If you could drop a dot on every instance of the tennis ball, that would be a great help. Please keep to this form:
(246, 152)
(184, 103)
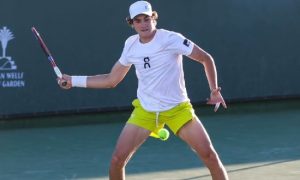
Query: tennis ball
(163, 134)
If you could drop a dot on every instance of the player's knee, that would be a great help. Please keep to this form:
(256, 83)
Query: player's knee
(117, 161)
(209, 155)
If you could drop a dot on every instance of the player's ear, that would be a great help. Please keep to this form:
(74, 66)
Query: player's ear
(129, 21)
(154, 15)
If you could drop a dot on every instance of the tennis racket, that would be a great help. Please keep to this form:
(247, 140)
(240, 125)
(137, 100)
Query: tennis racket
(48, 54)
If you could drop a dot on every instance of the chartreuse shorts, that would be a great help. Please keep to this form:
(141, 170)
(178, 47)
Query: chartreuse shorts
(174, 118)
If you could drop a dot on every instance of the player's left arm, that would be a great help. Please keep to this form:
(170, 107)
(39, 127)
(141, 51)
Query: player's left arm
(201, 56)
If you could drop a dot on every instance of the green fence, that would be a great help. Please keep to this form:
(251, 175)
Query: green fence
(254, 44)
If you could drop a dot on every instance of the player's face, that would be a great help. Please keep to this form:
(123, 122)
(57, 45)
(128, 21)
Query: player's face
(145, 26)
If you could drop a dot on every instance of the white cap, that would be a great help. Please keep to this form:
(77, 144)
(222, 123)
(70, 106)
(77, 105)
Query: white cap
(140, 7)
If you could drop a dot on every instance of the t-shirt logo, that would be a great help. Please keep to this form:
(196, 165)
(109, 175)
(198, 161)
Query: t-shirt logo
(186, 42)
(146, 62)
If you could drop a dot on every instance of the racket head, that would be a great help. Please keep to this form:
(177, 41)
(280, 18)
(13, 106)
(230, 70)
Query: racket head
(47, 53)
(41, 42)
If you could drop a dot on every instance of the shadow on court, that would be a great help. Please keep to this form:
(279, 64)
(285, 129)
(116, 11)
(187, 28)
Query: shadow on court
(255, 141)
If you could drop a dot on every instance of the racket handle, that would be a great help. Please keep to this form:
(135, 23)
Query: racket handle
(57, 72)
(64, 83)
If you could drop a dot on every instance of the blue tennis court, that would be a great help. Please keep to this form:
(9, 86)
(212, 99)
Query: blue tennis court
(255, 141)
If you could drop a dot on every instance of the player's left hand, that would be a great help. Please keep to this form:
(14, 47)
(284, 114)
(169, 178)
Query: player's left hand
(216, 99)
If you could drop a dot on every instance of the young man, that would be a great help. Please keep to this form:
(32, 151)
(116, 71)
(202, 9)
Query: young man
(161, 95)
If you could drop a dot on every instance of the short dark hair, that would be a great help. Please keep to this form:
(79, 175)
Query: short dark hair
(130, 21)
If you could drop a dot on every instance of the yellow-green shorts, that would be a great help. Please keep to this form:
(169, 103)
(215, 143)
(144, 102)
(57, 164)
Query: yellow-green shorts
(174, 118)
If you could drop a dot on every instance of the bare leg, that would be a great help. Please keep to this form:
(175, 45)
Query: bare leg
(195, 135)
(131, 138)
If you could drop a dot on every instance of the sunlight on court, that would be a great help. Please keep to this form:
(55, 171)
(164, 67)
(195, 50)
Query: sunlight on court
(270, 170)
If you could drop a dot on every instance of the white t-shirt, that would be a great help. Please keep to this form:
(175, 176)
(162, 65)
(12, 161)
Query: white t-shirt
(159, 70)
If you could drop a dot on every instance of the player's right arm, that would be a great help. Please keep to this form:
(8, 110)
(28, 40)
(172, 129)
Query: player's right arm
(110, 80)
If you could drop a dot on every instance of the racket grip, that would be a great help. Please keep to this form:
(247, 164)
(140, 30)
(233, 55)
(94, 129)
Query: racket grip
(57, 72)
(64, 83)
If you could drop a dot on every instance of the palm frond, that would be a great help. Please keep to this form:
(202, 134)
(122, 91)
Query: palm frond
(5, 34)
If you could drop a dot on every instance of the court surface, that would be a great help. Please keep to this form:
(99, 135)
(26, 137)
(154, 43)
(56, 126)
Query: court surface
(254, 140)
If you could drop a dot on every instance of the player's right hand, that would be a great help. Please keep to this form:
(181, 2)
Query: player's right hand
(65, 82)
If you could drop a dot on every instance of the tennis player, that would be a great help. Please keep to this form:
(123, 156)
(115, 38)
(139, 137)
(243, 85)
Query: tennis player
(161, 95)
